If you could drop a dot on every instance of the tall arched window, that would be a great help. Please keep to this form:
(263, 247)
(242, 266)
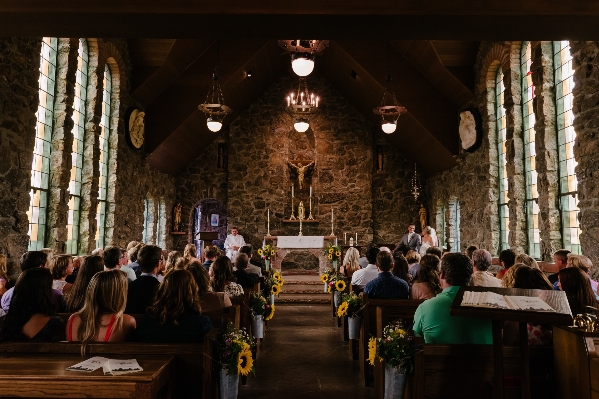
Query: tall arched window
(454, 225)
(40, 167)
(77, 153)
(440, 224)
(161, 225)
(148, 233)
(104, 151)
(568, 184)
(504, 213)
(530, 170)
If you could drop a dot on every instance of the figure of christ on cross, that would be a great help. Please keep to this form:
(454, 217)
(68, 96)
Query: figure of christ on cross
(301, 171)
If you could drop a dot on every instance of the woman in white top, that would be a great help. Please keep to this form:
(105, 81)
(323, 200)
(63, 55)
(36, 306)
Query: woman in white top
(429, 239)
(61, 266)
(233, 242)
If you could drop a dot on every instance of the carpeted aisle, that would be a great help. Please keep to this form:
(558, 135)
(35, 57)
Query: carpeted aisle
(304, 356)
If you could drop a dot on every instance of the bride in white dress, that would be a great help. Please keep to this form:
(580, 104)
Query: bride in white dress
(429, 239)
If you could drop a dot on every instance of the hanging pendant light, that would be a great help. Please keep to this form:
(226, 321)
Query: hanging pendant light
(301, 105)
(214, 107)
(303, 53)
(390, 109)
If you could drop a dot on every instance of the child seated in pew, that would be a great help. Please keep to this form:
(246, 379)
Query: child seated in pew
(209, 300)
(174, 316)
(102, 317)
(33, 314)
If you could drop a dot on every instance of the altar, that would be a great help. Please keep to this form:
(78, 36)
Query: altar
(314, 245)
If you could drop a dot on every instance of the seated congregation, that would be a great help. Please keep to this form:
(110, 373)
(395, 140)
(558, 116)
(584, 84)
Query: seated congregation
(141, 294)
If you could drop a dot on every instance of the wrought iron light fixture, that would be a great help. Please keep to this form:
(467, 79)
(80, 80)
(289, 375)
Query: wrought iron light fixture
(303, 53)
(214, 107)
(301, 105)
(416, 185)
(390, 109)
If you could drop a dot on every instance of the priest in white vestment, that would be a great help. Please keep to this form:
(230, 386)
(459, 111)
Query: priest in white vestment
(233, 242)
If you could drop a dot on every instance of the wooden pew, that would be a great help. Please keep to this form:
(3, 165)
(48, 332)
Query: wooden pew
(193, 364)
(399, 308)
(243, 301)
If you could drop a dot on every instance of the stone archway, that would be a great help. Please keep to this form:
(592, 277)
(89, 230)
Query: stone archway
(201, 221)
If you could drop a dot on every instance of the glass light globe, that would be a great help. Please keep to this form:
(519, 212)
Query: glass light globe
(388, 127)
(301, 126)
(302, 66)
(214, 126)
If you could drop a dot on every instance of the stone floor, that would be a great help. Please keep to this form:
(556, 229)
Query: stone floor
(303, 355)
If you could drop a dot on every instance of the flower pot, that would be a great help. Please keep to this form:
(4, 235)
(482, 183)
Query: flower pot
(267, 263)
(257, 326)
(326, 286)
(354, 327)
(395, 382)
(272, 299)
(335, 265)
(337, 298)
(228, 385)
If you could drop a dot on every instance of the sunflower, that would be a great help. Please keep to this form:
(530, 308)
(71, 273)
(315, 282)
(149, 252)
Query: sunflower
(330, 256)
(338, 253)
(259, 251)
(272, 253)
(271, 314)
(245, 362)
(324, 278)
(371, 351)
(331, 250)
(342, 310)
(329, 289)
(276, 289)
(340, 285)
(276, 275)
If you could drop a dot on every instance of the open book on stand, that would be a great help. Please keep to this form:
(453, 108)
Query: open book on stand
(109, 366)
(489, 299)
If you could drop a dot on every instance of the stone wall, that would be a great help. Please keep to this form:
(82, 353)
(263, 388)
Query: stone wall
(256, 176)
(19, 73)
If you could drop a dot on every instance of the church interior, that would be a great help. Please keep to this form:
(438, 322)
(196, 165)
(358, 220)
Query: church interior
(172, 123)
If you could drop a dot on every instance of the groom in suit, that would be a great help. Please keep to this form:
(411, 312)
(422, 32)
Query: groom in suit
(410, 240)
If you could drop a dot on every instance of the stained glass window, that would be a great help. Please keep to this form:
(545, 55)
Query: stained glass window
(530, 170)
(161, 227)
(144, 237)
(104, 152)
(441, 226)
(77, 152)
(504, 214)
(566, 136)
(40, 167)
(454, 214)
(148, 233)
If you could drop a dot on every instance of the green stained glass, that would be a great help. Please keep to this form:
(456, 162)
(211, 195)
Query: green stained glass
(500, 119)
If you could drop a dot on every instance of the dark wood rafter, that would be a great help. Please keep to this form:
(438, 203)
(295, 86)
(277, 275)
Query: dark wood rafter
(355, 19)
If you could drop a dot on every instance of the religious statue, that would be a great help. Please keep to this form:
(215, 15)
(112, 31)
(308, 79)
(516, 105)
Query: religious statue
(423, 214)
(301, 211)
(177, 218)
(300, 170)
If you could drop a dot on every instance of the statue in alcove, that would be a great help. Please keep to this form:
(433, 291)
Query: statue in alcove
(302, 171)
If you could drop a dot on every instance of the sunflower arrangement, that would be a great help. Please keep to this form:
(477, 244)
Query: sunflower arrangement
(270, 282)
(396, 348)
(332, 252)
(326, 276)
(267, 252)
(351, 305)
(234, 350)
(336, 283)
(270, 312)
(259, 306)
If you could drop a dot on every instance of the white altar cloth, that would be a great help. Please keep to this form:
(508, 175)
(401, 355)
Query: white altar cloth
(300, 241)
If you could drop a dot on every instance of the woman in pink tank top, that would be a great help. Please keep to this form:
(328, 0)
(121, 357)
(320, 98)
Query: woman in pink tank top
(101, 319)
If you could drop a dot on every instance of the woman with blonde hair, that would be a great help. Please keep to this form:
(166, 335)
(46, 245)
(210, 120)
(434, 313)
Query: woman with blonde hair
(174, 316)
(189, 252)
(171, 260)
(102, 318)
(61, 266)
(527, 260)
(509, 278)
(351, 262)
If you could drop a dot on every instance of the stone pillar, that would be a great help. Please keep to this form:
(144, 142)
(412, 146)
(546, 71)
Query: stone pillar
(512, 81)
(546, 148)
(586, 115)
(19, 99)
(62, 144)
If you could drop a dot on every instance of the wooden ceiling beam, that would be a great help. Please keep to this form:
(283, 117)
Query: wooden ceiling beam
(334, 19)
(364, 92)
(182, 54)
(423, 56)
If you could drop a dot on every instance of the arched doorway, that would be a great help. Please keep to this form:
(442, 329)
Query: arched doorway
(209, 215)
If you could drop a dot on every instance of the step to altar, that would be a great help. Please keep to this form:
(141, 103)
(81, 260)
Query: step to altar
(303, 289)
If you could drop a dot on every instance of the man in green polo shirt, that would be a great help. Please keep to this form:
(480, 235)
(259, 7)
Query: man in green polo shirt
(432, 319)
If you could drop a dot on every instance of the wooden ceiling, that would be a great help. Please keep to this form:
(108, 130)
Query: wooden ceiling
(170, 79)
(433, 44)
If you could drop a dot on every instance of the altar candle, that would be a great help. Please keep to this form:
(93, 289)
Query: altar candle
(356, 238)
(345, 238)
(335, 240)
(292, 190)
(288, 101)
(310, 191)
(268, 219)
(264, 242)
